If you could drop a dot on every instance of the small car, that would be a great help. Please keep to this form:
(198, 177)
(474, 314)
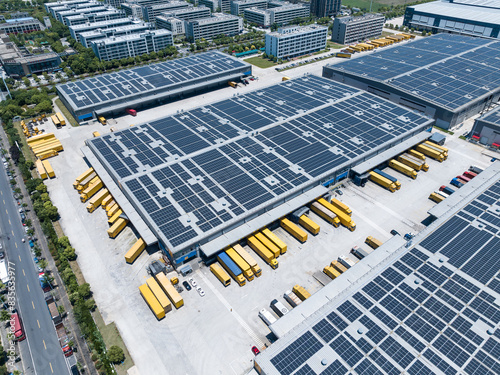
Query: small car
(395, 232)
(192, 282)
(200, 291)
(186, 285)
(255, 350)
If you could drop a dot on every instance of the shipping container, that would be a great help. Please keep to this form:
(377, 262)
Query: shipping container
(292, 298)
(262, 251)
(90, 191)
(301, 292)
(231, 268)
(268, 243)
(436, 198)
(331, 272)
(341, 206)
(456, 182)
(345, 219)
(40, 169)
(382, 181)
(475, 169)
(159, 294)
(447, 190)
(430, 152)
(275, 240)
(267, 317)
(220, 274)
(115, 217)
(152, 302)
(278, 308)
(309, 224)
(117, 227)
(240, 262)
(35, 138)
(400, 167)
(360, 253)
(373, 242)
(294, 230)
(248, 258)
(48, 154)
(389, 177)
(325, 214)
(136, 250)
(338, 266)
(169, 290)
(346, 261)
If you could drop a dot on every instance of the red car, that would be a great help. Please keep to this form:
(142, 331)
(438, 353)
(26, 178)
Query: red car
(255, 350)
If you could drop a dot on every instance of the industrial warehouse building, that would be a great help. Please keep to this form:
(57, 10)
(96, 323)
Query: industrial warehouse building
(486, 129)
(111, 94)
(205, 178)
(428, 306)
(347, 30)
(446, 76)
(466, 17)
(295, 41)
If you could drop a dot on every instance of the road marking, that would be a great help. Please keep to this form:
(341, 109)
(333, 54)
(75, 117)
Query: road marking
(246, 327)
(4, 201)
(33, 305)
(15, 243)
(45, 346)
(18, 255)
(50, 364)
(7, 211)
(10, 222)
(23, 272)
(38, 323)
(27, 286)
(12, 232)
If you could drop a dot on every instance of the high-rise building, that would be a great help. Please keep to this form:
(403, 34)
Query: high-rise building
(325, 8)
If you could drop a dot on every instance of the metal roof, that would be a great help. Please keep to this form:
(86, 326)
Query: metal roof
(462, 12)
(491, 117)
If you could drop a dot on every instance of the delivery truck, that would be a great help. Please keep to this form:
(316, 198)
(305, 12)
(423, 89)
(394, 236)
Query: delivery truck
(447, 190)
(292, 298)
(360, 253)
(275, 240)
(382, 181)
(231, 268)
(301, 292)
(325, 214)
(331, 272)
(373, 242)
(346, 261)
(338, 266)
(269, 244)
(345, 219)
(267, 317)
(341, 206)
(220, 274)
(257, 271)
(389, 177)
(262, 251)
(278, 308)
(240, 262)
(294, 230)
(403, 168)
(309, 224)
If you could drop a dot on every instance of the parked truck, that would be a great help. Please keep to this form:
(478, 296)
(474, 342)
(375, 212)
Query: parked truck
(438, 148)
(373, 242)
(417, 154)
(262, 251)
(159, 294)
(413, 162)
(325, 214)
(96, 200)
(257, 271)
(346, 261)
(436, 197)
(275, 240)
(455, 182)
(345, 219)
(278, 308)
(41, 169)
(432, 153)
(382, 181)
(115, 217)
(475, 169)
(48, 168)
(267, 317)
(294, 230)
(220, 274)
(447, 190)
(54, 313)
(117, 227)
(269, 244)
(136, 250)
(338, 266)
(470, 174)
(83, 184)
(240, 262)
(465, 178)
(292, 298)
(64, 340)
(341, 206)
(359, 252)
(331, 272)
(309, 224)
(169, 290)
(231, 268)
(90, 191)
(152, 302)
(131, 111)
(102, 120)
(403, 168)
(389, 177)
(301, 292)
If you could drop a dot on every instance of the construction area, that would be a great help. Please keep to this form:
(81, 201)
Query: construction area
(217, 229)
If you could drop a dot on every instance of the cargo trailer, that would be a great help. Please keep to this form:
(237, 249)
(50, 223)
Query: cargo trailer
(436, 197)
(360, 253)
(268, 243)
(267, 317)
(382, 181)
(292, 298)
(278, 308)
(262, 251)
(346, 261)
(325, 214)
(294, 230)
(373, 242)
(220, 274)
(159, 294)
(331, 272)
(240, 262)
(136, 250)
(309, 224)
(248, 258)
(417, 154)
(455, 182)
(275, 240)
(90, 191)
(231, 268)
(338, 266)
(389, 177)
(447, 190)
(474, 169)
(152, 302)
(403, 168)
(301, 292)
(345, 219)
(117, 227)
(169, 290)
(341, 206)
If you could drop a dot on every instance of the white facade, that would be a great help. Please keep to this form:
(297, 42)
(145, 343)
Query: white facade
(348, 30)
(281, 15)
(218, 24)
(296, 41)
(75, 31)
(172, 24)
(87, 37)
(238, 6)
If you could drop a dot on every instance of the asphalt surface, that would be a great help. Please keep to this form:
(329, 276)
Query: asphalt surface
(41, 339)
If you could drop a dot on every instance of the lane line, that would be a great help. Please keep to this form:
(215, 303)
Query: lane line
(15, 243)
(6, 211)
(19, 255)
(10, 222)
(23, 272)
(50, 364)
(12, 233)
(38, 323)
(33, 305)
(45, 346)
(27, 286)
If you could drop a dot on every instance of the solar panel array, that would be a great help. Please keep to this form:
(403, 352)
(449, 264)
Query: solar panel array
(435, 310)
(450, 70)
(492, 117)
(192, 173)
(135, 82)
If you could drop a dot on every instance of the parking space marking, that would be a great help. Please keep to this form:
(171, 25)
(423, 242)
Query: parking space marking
(373, 225)
(246, 327)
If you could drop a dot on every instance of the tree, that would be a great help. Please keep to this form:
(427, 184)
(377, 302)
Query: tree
(42, 263)
(4, 315)
(69, 253)
(115, 354)
(61, 309)
(44, 107)
(84, 290)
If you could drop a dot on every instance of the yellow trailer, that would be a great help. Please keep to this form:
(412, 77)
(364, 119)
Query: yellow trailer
(115, 217)
(403, 168)
(90, 191)
(341, 206)
(47, 154)
(309, 224)
(436, 198)
(92, 179)
(275, 240)
(106, 200)
(285, 78)
(438, 148)
(268, 243)
(338, 266)
(40, 136)
(37, 142)
(110, 205)
(90, 208)
(325, 214)
(41, 169)
(48, 168)
(301, 292)
(345, 219)
(117, 227)
(331, 272)
(366, 46)
(432, 153)
(136, 250)
(262, 251)
(220, 274)
(294, 230)
(84, 175)
(159, 294)
(382, 181)
(232, 84)
(96, 134)
(113, 210)
(61, 119)
(248, 258)
(55, 120)
(98, 198)
(373, 242)
(169, 290)
(43, 142)
(417, 154)
(56, 147)
(152, 302)
(240, 262)
(102, 120)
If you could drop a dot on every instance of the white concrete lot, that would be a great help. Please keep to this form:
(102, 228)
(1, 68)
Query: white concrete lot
(214, 334)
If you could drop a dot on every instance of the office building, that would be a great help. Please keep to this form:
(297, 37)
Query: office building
(280, 15)
(213, 5)
(462, 18)
(174, 25)
(115, 3)
(62, 15)
(64, 4)
(132, 10)
(46, 21)
(188, 14)
(94, 17)
(76, 30)
(150, 12)
(295, 41)
(238, 6)
(486, 129)
(347, 30)
(82, 7)
(89, 36)
(208, 28)
(225, 6)
(325, 8)
(259, 17)
(21, 25)
(132, 44)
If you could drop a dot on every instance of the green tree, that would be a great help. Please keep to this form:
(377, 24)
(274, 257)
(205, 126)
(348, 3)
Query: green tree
(115, 354)
(42, 263)
(4, 316)
(61, 309)
(85, 291)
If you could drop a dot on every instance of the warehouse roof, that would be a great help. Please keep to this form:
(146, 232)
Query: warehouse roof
(460, 12)
(146, 80)
(448, 70)
(492, 117)
(478, 3)
(429, 306)
(195, 173)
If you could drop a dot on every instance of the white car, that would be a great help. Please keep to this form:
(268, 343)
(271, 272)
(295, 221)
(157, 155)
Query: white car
(201, 292)
(192, 282)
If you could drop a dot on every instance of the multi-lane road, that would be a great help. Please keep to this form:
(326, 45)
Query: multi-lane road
(41, 353)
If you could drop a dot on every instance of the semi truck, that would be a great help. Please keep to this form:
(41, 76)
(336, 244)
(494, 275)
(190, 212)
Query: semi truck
(40, 169)
(136, 250)
(475, 169)
(102, 120)
(345, 219)
(301, 292)
(159, 294)
(309, 224)
(275, 240)
(413, 162)
(461, 177)
(152, 302)
(278, 308)
(292, 298)
(389, 177)
(90, 191)
(115, 217)
(470, 174)
(346, 261)
(436, 197)
(262, 251)
(268, 243)
(338, 266)
(106, 200)
(373, 242)
(249, 259)
(325, 214)
(169, 290)
(294, 230)
(432, 153)
(455, 182)
(48, 168)
(220, 274)
(437, 147)
(240, 262)
(117, 227)
(331, 272)
(416, 154)
(83, 184)
(359, 252)
(267, 317)
(341, 206)
(382, 181)
(113, 210)
(54, 313)
(232, 269)
(447, 190)
(96, 200)
(403, 168)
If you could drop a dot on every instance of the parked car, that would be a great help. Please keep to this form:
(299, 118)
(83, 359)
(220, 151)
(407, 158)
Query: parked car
(395, 232)
(186, 285)
(255, 350)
